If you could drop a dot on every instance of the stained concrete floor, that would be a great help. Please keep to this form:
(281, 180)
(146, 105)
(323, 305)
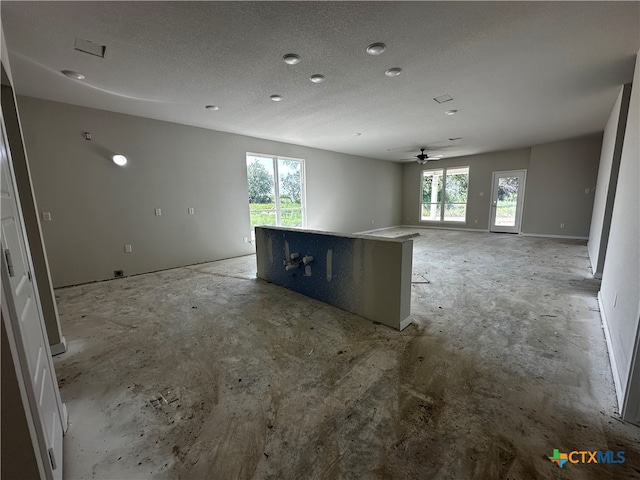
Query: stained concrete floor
(205, 372)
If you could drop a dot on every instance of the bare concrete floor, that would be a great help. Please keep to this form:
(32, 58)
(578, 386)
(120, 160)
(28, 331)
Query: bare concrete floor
(206, 372)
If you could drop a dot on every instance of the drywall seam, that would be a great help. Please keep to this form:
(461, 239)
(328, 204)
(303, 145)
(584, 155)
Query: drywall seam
(612, 359)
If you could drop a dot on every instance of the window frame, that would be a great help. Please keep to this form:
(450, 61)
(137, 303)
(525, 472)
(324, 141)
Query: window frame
(442, 201)
(276, 185)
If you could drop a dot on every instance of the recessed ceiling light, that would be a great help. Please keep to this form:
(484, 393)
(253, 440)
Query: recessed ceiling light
(212, 108)
(276, 98)
(317, 78)
(72, 74)
(291, 59)
(443, 98)
(120, 160)
(376, 48)
(393, 72)
(451, 112)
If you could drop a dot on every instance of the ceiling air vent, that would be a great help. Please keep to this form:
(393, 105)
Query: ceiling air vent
(89, 47)
(443, 98)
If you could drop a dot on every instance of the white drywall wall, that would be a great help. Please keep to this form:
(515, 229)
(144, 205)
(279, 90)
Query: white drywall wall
(620, 289)
(607, 177)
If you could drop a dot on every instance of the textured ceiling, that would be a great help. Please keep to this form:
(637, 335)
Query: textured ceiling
(520, 73)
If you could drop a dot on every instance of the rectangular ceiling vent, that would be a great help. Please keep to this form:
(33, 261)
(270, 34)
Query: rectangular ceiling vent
(443, 98)
(91, 48)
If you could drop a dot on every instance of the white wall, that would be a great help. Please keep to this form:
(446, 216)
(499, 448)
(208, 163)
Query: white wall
(608, 169)
(620, 289)
(97, 207)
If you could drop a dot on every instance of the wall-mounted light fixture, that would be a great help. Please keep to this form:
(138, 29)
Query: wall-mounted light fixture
(119, 160)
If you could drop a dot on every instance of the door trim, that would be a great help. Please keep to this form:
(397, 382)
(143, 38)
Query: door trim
(520, 205)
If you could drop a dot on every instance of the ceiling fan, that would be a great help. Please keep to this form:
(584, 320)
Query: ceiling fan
(423, 158)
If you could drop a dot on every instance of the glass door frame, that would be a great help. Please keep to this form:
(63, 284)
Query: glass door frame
(519, 205)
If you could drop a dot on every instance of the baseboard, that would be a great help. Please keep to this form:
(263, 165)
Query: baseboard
(59, 348)
(542, 235)
(375, 230)
(436, 227)
(405, 323)
(612, 358)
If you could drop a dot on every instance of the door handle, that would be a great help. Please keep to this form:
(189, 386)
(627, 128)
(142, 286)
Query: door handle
(7, 256)
(52, 458)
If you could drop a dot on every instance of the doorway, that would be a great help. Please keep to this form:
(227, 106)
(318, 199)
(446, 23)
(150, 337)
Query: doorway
(507, 199)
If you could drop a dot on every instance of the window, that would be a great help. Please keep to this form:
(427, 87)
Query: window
(450, 207)
(276, 191)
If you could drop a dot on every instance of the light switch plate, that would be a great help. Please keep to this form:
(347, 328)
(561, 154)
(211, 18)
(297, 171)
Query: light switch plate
(158, 211)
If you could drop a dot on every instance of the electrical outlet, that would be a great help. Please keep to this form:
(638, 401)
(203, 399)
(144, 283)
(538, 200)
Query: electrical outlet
(475, 221)
(127, 249)
(587, 191)
(372, 222)
(562, 225)
(482, 194)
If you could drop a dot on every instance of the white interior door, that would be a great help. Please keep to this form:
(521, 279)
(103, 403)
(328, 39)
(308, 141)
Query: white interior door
(507, 199)
(27, 324)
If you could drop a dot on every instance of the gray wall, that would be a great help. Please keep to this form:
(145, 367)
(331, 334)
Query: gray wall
(558, 175)
(608, 170)
(481, 168)
(620, 289)
(43, 283)
(97, 207)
